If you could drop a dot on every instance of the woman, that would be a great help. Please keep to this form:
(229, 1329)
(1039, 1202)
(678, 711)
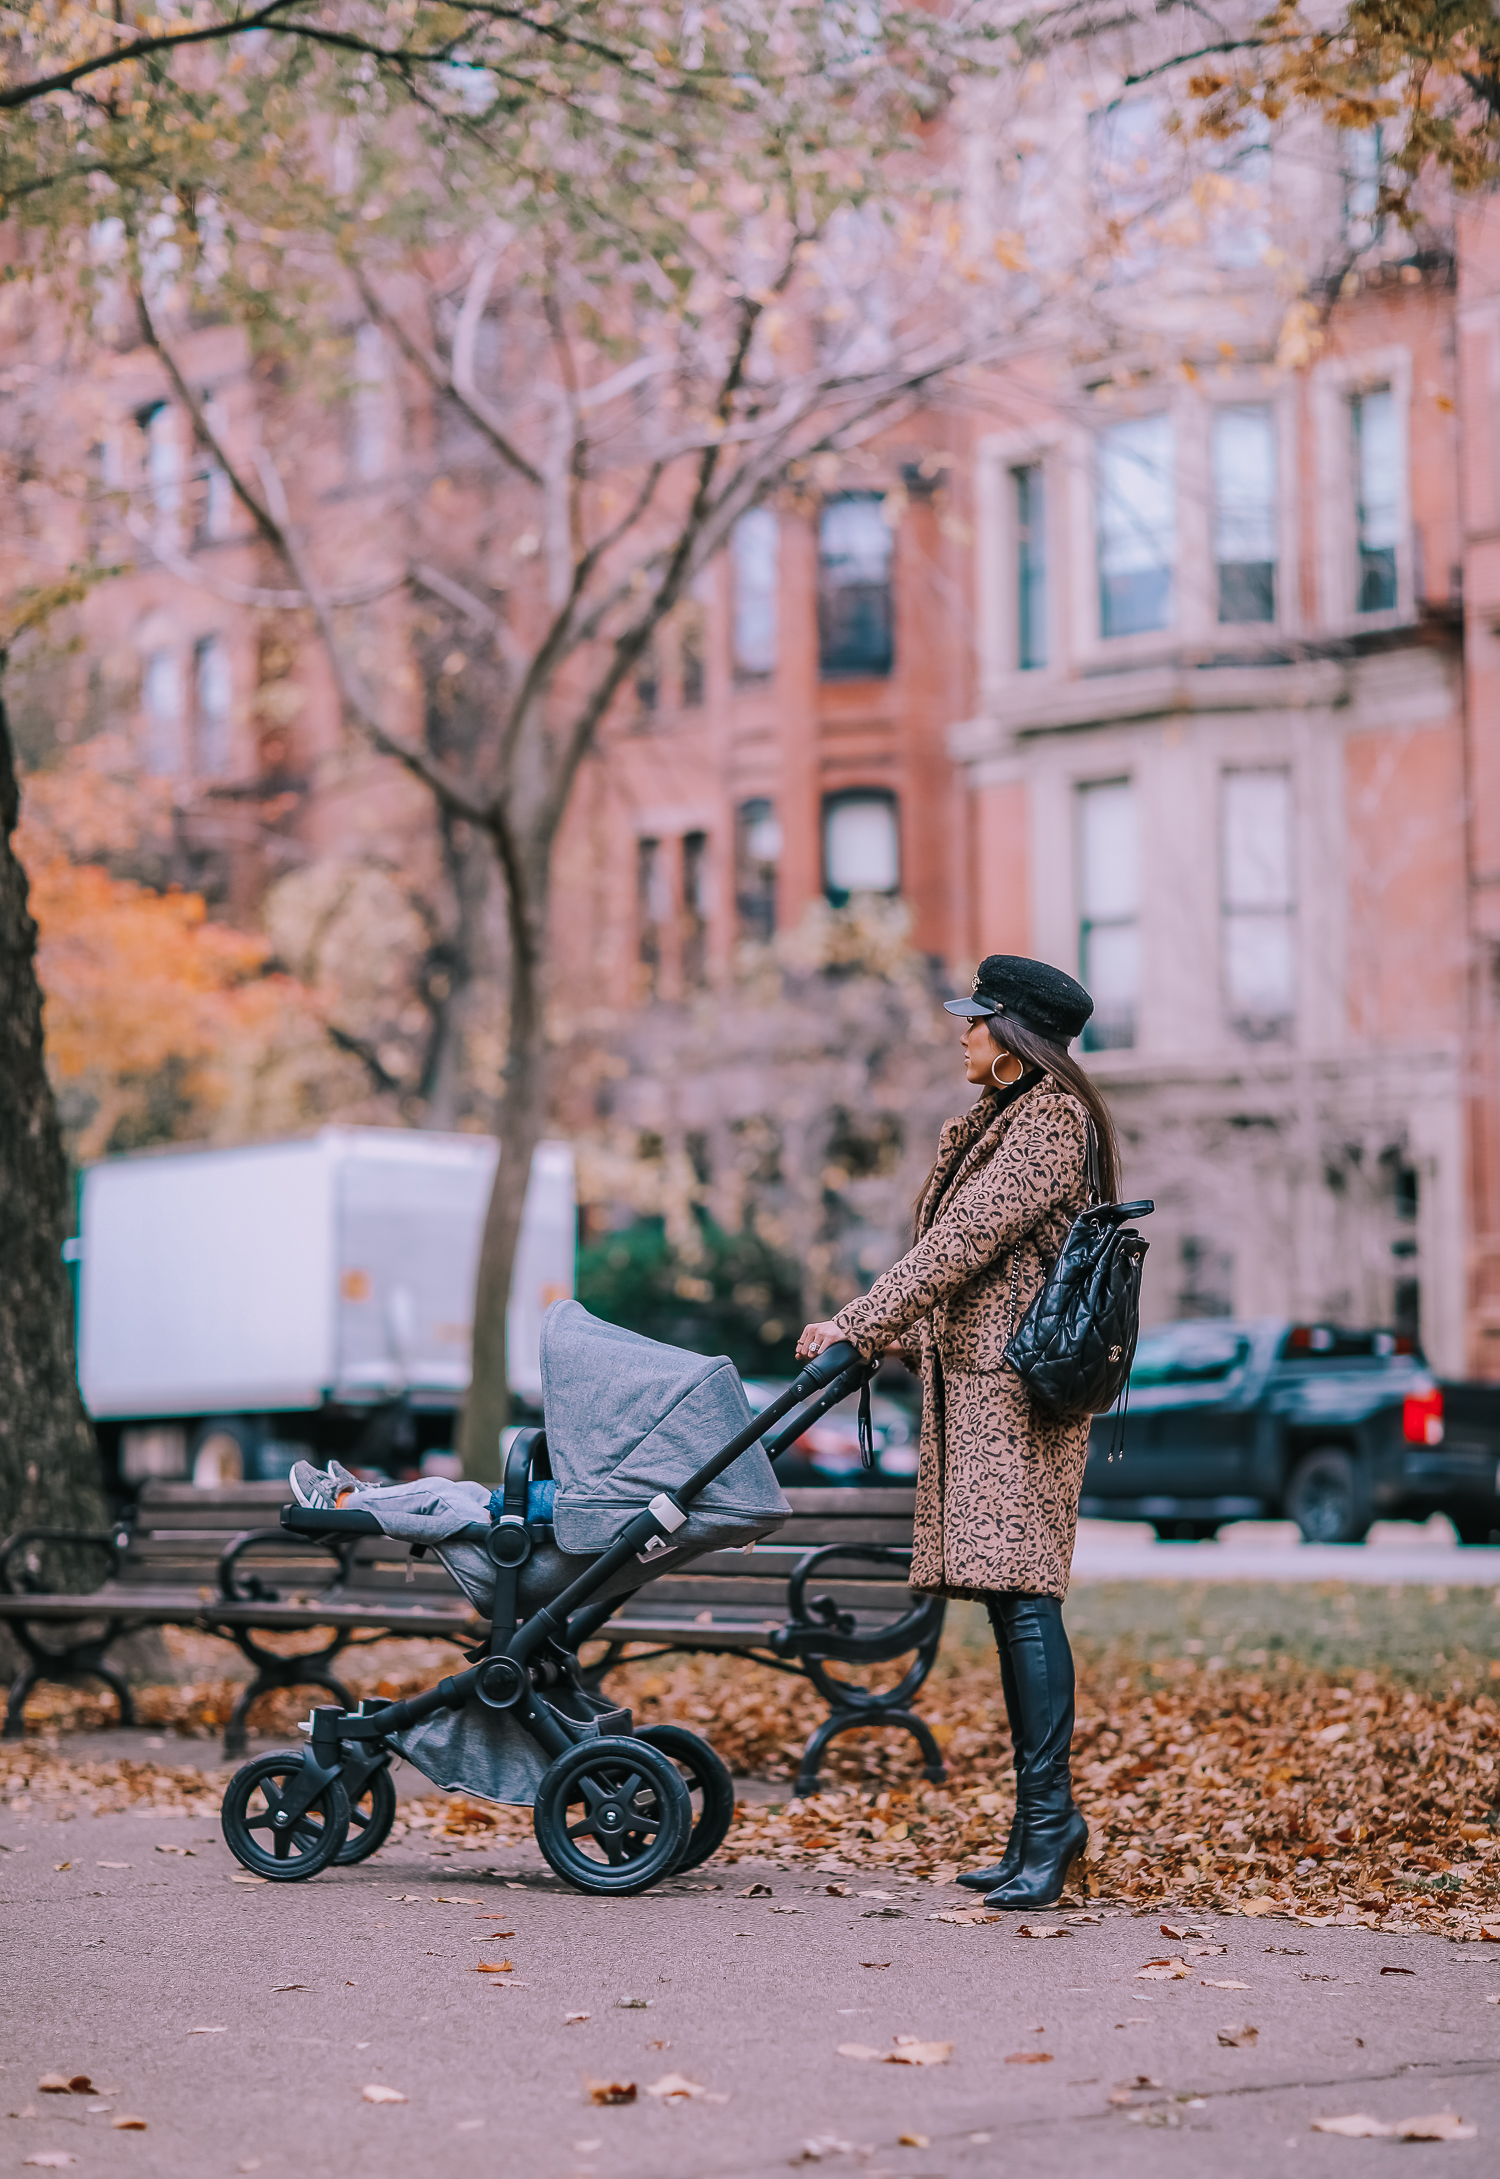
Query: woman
(999, 1481)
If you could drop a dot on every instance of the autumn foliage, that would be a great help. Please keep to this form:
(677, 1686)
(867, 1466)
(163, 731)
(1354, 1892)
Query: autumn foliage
(160, 1022)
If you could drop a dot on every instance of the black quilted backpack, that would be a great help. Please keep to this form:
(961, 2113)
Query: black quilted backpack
(1074, 1346)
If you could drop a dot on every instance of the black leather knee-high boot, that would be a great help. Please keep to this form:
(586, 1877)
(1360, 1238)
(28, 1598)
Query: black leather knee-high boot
(1010, 1858)
(1054, 1832)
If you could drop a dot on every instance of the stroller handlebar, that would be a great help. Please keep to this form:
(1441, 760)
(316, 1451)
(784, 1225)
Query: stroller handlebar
(831, 1363)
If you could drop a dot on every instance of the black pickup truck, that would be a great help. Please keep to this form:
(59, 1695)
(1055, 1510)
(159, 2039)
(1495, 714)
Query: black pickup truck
(1330, 1428)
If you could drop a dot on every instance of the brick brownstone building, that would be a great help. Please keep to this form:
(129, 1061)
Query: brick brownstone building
(1157, 656)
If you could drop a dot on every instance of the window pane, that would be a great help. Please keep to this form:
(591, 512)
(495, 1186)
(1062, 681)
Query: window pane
(854, 586)
(755, 556)
(1137, 526)
(211, 664)
(161, 693)
(757, 852)
(1377, 482)
(1258, 968)
(1109, 868)
(1362, 159)
(861, 850)
(1245, 513)
(1259, 927)
(1108, 891)
(1031, 566)
(1111, 963)
(1257, 839)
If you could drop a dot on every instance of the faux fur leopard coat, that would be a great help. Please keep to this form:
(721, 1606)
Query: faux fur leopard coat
(999, 1481)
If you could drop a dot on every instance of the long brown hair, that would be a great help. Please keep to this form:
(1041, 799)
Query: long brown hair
(1034, 1050)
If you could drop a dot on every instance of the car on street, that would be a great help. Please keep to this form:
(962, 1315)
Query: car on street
(1332, 1428)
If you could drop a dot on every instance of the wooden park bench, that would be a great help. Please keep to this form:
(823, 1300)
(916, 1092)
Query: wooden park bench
(828, 1591)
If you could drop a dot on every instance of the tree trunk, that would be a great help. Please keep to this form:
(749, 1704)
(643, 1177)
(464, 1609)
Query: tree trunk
(49, 1468)
(523, 1108)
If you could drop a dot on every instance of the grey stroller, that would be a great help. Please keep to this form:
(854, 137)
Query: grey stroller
(611, 1492)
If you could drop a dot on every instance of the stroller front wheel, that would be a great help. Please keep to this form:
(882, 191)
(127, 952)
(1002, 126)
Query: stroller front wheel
(612, 1815)
(252, 1804)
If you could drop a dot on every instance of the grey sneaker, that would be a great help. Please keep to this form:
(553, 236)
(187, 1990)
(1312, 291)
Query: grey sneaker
(341, 1479)
(311, 1487)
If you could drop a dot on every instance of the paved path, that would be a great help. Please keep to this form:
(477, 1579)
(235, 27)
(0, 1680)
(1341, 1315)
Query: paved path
(111, 1969)
(1398, 1551)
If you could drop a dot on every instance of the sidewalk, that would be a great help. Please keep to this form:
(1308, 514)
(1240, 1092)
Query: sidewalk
(367, 1977)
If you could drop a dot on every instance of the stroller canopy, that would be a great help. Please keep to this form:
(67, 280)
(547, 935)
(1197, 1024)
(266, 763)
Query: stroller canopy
(627, 1417)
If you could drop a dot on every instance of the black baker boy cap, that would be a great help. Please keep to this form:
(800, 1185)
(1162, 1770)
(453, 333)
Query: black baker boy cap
(1039, 996)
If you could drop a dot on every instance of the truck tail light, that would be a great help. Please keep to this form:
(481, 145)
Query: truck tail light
(1422, 1417)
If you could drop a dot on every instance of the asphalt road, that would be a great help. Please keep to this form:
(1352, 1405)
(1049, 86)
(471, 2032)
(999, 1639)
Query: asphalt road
(114, 1963)
(1274, 1551)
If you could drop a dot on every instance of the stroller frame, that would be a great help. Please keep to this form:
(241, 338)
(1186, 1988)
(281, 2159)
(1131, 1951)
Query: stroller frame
(635, 1803)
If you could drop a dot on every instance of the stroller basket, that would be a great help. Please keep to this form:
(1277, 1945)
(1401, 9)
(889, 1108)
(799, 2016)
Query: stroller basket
(612, 1807)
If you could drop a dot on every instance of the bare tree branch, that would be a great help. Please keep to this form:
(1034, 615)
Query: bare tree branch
(465, 397)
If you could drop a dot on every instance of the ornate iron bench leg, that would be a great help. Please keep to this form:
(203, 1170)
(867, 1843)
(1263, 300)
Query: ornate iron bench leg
(62, 1668)
(848, 1721)
(273, 1672)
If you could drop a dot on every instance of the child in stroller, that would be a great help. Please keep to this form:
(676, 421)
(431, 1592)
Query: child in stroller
(547, 1559)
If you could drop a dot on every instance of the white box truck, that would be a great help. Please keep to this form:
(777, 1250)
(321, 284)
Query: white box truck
(240, 1309)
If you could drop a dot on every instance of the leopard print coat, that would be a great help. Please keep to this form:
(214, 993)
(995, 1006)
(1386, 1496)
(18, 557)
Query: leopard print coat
(999, 1481)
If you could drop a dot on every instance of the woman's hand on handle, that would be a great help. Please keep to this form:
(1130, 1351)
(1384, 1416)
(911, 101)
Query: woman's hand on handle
(815, 1337)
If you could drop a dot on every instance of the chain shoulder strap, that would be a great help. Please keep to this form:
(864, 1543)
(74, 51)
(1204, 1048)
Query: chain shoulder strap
(1010, 1306)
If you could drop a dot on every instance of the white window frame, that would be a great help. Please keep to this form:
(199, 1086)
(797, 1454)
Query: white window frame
(1242, 391)
(997, 559)
(1335, 383)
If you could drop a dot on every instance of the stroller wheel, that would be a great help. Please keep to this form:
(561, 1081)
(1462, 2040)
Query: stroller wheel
(710, 1788)
(612, 1815)
(249, 1813)
(372, 1811)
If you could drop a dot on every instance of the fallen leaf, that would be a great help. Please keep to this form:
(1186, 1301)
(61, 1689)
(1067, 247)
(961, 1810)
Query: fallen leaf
(374, 2093)
(1208, 1983)
(1489, 1932)
(574, 2020)
(912, 2141)
(754, 1891)
(208, 2031)
(610, 2091)
(53, 2084)
(444, 1900)
(632, 2004)
(492, 1967)
(677, 2088)
(821, 2145)
(1044, 1929)
(786, 1910)
(114, 1864)
(884, 1914)
(1170, 1929)
(1029, 2058)
(59, 1866)
(1357, 2125)
(874, 1963)
(1439, 2126)
(909, 2052)
(1205, 1951)
(1398, 1970)
(837, 1891)
(51, 2159)
(283, 1987)
(1259, 1906)
(1239, 2038)
(127, 2125)
(1163, 1971)
(187, 1850)
(243, 1876)
(859, 2050)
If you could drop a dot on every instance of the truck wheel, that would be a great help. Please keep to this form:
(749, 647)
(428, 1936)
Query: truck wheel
(1329, 1497)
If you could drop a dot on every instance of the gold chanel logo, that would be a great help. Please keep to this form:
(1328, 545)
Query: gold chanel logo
(1115, 1353)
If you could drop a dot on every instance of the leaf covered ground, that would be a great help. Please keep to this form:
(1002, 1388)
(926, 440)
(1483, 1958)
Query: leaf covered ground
(1238, 1766)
